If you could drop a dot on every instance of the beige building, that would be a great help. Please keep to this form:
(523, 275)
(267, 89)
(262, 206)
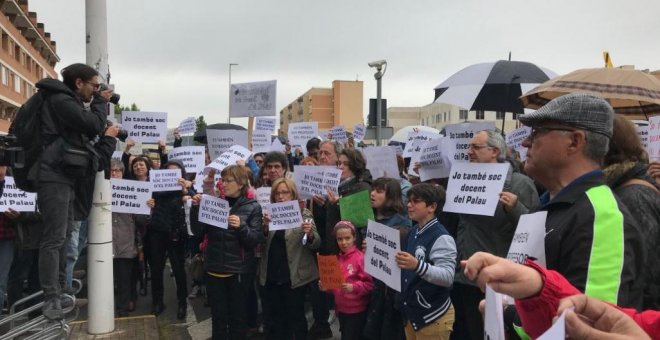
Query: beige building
(339, 105)
(27, 54)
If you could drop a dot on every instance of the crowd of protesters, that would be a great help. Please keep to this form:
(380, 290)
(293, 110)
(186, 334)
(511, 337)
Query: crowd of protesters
(584, 166)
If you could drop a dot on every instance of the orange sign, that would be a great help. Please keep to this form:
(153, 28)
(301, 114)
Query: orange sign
(330, 272)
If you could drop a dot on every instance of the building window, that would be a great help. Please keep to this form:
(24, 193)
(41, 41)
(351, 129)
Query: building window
(449, 116)
(500, 115)
(5, 75)
(480, 115)
(514, 116)
(444, 117)
(463, 114)
(17, 83)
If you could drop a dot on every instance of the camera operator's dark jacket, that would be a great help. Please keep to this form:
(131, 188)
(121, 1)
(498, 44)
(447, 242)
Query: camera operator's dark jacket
(65, 121)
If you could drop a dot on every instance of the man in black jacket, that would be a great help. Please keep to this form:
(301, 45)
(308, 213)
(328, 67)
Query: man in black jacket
(66, 130)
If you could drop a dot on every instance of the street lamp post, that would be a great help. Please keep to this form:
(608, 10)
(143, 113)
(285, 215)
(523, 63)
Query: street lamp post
(229, 98)
(379, 76)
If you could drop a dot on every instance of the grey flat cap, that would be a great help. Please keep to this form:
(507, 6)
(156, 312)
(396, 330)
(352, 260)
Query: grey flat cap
(580, 110)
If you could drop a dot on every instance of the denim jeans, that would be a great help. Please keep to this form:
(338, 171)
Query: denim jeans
(6, 257)
(72, 252)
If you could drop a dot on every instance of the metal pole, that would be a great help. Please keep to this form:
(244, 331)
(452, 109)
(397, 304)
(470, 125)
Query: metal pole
(379, 113)
(229, 97)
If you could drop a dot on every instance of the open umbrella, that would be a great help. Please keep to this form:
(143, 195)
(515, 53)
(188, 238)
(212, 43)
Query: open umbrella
(401, 136)
(628, 91)
(200, 135)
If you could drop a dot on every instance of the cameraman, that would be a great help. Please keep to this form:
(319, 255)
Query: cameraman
(66, 130)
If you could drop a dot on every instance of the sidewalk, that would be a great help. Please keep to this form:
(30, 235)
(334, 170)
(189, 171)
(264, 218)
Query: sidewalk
(131, 328)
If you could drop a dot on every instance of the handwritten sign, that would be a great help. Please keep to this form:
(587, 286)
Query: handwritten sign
(263, 196)
(253, 99)
(356, 208)
(165, 180)
(15, 198)
(515, 139)
(229, 157)
(300, 133)
(415, 140)
(474, 188)
(220, 141)
(653, 147)
(383, 243)
(493, 317)
(381, 161)
(265, 124)
(330, 272)
(339, 134)
(529, 239)
(188, 126)
(284, 215)
(130, 196)
(359, 130)
(435, 159)
(214, 211)
(261, 141)
(313, 180)
(462, 133)
(146, 127)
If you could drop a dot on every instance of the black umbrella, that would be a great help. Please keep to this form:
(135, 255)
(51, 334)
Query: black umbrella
(200, 135)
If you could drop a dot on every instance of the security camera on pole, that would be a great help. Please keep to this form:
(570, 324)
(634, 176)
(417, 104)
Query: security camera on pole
(379, 76)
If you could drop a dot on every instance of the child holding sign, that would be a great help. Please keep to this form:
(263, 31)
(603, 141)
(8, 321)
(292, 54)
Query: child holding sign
(429, 261)
(352, 299)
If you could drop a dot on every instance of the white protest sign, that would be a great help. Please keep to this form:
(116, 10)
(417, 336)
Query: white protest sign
(381, 161)
(214, 211)
(462, 133)
(653, 148)
(558, 329)
(220, 141)
(383, 243)
(300, 133)
(253, 99)
(643, 134)
(261, 141)
(188, 126)
(435, 159)
(284, 215)
(265, 124)
(474, 188)
(415, 139)
(15, 198)
(331, 179)
(277, 146)
(359, 130)
(529, 239)
(398, 149)
(145, 127)
(229, 157)
(315, 180)
(493, 317)
(117, 155)
(130, 196)
(165, 180)
(415, 158)
(515, 138)
(263, 196)
(339, 134)
(192, 158)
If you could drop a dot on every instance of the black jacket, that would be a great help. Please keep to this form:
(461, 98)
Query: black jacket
(168, 215)
(84, 187)
(231, 251)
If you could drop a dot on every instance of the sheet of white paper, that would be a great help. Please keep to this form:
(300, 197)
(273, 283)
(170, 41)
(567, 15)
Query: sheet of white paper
(462, 133)
(188, 126)
(493, 317)
(17, 199)
(165, 180)
(214, 211)
(474, 188)
(130, 196)
(253, 99)
(529, 239)
(383, 243)
(284, 215)
(558, 329)
(146, 127)
(220, 141)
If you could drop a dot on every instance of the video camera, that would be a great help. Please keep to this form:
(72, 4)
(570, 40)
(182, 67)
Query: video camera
(115, 96)
(13, 156)
(122, 134)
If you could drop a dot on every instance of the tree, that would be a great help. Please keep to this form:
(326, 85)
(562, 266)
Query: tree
(201, 123)
(119, 108)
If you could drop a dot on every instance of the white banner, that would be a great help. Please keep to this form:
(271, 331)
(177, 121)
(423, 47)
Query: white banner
(474, 188)
(265, 124)
(415, 140)
(339, 134)
(130, 196)
(313, 180)
(220, 141)
(462, 133)
(261, 141)
(17, 199)
(165, 180)
(284, 215)
(300, 133)
(145, 127)
(516, 137)
(654, 138)
(383, 243)
(214, 211)
(229, 157)
(529, 239)
(253, 99)
(381, 161)
(435, 159)
(188, 126)
(359, 130)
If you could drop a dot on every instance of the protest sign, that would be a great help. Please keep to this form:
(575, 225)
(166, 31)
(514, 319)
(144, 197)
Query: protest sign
(263, 196)
(515, 138)
(130, 196)
(145, 127)
(192, 158)
(277, 146)
(17, 199)
(653, 147)
(416, 138)
(265, 124)
(398, 149)
(414, 159)
(330, 272)
(117, 155)
(359, 130)
(383, 243)
(331, 179)
(188, 126)
(214, 211)
(356, 208)
(313, 180)
(284, 215)
(493, 317)
(462, 133)
(220, 141)
(643, 134)
(261, 141)
(381, 161)
(165, 180)
(474, 188)
(435, 159)
(558, 329)
(339, 134)
(229, 157)
(529, 239)
(253, 99)
(300, 133)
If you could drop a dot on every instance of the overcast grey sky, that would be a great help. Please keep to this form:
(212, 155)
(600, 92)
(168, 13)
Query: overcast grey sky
(172, 56)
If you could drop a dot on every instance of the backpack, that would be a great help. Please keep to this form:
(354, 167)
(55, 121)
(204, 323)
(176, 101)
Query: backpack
(26, 127)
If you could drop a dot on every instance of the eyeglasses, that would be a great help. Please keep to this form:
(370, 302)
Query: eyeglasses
(280, 193)
(478, 146)
(228, 180)
(540, 130)
(116, 170)
(96, 86)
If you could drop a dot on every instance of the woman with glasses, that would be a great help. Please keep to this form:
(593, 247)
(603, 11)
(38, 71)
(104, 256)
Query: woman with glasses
(229, 260)
(288, 265)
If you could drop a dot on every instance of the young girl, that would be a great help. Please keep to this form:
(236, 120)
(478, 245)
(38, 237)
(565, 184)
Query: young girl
(353, 298)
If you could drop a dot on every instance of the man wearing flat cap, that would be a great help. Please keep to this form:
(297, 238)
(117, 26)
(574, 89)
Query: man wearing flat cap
(591, 238)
